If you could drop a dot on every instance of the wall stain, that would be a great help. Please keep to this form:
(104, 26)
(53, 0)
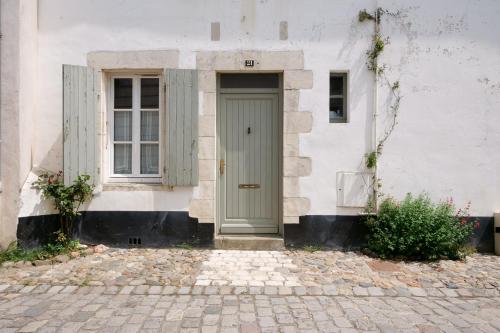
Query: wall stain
(491, 86)
(451, 24)
(248, 17)
(317, 32)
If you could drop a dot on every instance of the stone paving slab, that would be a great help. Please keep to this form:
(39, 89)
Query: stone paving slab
(177, 290)
(101, 309)
(326, 290)
(119, 267)
(286, 272)
(481, 271)
(248, 268)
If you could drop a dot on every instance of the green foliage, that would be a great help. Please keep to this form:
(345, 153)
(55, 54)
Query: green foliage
(378, 46)
(371, 160)
(312, 248)
(395, 86)
(185, 246)
(16, 253)
(363, 15)
(67, 199)
(373, 54)
(416, 228)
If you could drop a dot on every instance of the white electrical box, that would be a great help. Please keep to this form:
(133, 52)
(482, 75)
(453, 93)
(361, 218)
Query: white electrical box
(354, 188)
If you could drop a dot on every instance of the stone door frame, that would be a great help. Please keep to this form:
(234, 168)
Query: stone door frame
(295, 122)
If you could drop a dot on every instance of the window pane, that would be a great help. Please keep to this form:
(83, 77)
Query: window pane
(123, 125)
(123, 93)
(336, 108)
(249, 80)
(149, 159)
(123, 158)
(336, 85)
(149, 126)
(150, 93)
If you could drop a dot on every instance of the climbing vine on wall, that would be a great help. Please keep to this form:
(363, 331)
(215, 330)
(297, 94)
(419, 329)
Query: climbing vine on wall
(379, 44)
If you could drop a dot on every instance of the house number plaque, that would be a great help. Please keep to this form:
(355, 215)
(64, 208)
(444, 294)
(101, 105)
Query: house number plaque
(249, 63)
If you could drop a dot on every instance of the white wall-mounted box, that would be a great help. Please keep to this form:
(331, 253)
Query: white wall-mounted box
(354, 188)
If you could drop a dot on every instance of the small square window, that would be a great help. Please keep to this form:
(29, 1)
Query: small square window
(338, 97)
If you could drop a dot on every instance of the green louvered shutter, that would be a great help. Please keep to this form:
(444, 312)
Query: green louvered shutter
(80, 101)
(182, 118)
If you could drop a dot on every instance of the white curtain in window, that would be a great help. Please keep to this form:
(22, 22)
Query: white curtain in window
(149, 158)
(123, 158)
(149, 126)
(123, 126)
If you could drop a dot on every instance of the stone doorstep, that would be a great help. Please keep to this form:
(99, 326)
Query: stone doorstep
(250, 242)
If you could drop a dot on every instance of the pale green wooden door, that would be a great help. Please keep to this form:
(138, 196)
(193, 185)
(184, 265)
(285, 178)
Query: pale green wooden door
(249, 183)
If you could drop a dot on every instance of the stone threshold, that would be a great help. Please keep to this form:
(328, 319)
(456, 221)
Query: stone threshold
(327, 290)
(249, 242)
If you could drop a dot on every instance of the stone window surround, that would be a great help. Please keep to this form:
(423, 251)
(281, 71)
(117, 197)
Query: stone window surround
(209, 63)
(115, 62)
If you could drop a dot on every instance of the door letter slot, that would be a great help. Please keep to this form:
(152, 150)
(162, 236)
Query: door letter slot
(243, 186)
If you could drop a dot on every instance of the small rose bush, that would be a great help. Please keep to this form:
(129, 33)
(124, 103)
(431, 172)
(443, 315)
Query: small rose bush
(416, 228)
(67, 199)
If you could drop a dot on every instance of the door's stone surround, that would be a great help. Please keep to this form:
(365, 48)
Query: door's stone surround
(295, 122)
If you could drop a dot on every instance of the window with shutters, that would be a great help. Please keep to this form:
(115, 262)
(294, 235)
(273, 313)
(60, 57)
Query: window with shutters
(135, 135)
(338, 97)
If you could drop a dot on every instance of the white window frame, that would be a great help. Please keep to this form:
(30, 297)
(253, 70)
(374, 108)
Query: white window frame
(135, 176)
(345, 97)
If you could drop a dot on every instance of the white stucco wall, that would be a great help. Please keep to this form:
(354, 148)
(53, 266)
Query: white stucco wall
(18, 104)
(445, 55)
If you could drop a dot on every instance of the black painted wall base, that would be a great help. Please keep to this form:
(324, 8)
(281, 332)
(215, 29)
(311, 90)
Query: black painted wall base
(157, 229)
(120, 228)
(349, 232)
(344, 232)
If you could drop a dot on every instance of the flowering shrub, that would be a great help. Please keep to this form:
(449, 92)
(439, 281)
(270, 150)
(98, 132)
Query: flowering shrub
(67, 199)
(419, 229)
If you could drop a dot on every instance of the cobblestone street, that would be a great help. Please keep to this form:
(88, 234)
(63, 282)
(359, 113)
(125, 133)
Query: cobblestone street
(155, 309)
(170, 290)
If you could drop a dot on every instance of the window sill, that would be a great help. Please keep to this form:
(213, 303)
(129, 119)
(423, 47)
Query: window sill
(136, 187)
(338, 121)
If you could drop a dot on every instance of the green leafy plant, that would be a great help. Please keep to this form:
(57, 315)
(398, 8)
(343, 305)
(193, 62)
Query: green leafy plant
(17, 253)
(379, 44)
(378, 47)
(363, 15)
(371, 160)
(312, 248)
(184, 246)
(417, 228)
(67, 199)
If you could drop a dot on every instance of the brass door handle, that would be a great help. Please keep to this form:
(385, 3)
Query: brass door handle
(221, 167)
(249, 186)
